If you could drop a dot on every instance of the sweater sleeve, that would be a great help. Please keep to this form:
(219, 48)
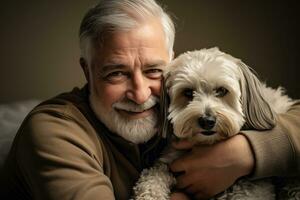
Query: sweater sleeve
(277, 151)
(58, 159)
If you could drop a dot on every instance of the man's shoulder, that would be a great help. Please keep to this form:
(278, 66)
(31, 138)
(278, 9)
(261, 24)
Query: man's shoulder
(58, 122)
(55, 121)
(64, 105)
(60, 117)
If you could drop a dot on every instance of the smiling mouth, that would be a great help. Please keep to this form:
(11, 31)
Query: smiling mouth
(136, 114)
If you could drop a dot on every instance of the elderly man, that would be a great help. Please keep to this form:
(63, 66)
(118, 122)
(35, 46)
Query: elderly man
(91, 143)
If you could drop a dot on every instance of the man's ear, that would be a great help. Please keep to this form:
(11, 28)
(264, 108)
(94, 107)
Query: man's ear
(84, 66)
(173, 55)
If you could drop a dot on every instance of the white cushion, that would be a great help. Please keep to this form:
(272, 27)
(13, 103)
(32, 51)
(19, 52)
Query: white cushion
(11, 117)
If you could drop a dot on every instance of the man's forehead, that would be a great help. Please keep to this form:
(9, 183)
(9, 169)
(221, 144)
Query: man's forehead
(131, 56)
(125, 64)
(148, 33)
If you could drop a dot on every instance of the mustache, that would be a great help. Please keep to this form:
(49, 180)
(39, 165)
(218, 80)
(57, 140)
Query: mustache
(131, 106)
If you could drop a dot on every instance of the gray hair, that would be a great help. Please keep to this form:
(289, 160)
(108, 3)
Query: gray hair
(121, 15)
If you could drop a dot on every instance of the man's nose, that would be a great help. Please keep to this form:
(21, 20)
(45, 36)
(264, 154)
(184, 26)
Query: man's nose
(139, 89)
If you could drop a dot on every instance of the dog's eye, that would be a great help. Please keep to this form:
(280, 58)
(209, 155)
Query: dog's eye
(189, 93)
(221, 92)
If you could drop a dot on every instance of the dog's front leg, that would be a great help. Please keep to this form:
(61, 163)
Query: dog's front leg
(154, 183)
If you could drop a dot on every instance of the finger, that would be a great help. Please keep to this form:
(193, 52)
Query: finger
(183, 144)
(187, 163)
(184, 181)
(200, 195)
(179, 196)
(192, 189)
(178, 165)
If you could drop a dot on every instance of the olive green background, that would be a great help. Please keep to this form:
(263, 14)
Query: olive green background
(39, 41)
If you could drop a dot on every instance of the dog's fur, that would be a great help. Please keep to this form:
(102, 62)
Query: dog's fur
(212, 96)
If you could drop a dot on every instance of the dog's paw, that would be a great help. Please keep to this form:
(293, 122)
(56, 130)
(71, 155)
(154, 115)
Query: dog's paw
(290, 190)
(154, 183)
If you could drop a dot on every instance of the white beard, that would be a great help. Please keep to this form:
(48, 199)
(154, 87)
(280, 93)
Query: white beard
(134, 130)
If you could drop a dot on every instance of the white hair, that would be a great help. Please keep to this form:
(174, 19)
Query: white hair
(122, 15)
(134, 130)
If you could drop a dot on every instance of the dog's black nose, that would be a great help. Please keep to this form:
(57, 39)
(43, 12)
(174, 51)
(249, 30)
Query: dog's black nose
(207, 122)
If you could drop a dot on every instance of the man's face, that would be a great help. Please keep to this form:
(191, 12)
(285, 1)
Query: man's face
(125, 79)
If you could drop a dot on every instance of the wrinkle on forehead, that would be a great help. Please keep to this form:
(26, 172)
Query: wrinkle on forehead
(138, 47)
(150, 29)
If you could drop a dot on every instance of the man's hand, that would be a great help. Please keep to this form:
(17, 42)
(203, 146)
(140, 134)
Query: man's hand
(179, 196)
(209, 170)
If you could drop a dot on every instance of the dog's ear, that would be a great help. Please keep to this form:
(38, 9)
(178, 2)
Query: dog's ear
(258, 113)
(164, 107)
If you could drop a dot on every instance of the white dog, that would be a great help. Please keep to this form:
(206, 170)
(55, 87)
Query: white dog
(212, 96)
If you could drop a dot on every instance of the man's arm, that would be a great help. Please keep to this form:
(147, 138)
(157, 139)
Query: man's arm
(277, 151)
(59, 160)
(211, 169)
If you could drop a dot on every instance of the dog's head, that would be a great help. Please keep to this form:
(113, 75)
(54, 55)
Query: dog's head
(213, 95)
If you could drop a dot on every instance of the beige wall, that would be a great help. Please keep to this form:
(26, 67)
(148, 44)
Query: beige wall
(39, 49)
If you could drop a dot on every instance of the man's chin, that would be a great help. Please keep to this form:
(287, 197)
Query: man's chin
(136, 130)
(132, 126)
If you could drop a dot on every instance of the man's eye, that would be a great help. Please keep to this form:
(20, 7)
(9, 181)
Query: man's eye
(116, 76)
(154, 73)
(221, 92)
(116, 73)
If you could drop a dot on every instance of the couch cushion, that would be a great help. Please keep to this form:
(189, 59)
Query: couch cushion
(11, 117)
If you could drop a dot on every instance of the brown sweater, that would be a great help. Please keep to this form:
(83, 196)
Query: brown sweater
(63, 152)
(277, 151)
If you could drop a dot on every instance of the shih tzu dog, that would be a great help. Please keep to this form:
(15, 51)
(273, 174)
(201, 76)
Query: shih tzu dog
(210, 96)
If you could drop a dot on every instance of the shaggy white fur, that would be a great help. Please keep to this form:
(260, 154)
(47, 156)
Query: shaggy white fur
(212, 96)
